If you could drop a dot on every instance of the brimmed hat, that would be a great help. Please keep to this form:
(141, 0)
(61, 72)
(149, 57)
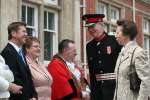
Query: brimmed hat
(92, 19)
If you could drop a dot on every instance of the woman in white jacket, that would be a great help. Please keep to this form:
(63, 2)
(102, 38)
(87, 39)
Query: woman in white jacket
(125, 34)
(6, 77)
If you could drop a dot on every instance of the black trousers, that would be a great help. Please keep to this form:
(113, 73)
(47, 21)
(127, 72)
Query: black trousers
(103, 93)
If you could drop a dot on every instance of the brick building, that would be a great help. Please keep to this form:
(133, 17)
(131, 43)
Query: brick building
(136, 10)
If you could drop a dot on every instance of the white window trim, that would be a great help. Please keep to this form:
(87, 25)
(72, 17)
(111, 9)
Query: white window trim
(105, 9)
(146, 34)
(148, 50)
(35, 17)
(51, 2)
(116, 9)
(148, 30)
(55, 35)
(111, 28)
(50, 30)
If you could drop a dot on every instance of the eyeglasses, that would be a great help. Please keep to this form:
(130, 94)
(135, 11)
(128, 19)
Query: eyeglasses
(36, 46)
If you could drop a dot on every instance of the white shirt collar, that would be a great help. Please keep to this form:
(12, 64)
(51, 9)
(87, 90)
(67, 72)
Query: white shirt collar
(15, 46)
(70, 63)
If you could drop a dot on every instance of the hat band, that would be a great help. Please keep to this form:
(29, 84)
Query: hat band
(90, 24)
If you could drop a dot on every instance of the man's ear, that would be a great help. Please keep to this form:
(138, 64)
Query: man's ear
(65, 50)
(13, 33)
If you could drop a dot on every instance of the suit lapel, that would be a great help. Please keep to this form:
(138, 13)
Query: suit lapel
(125, 57)
(17, 55)
(127, 51)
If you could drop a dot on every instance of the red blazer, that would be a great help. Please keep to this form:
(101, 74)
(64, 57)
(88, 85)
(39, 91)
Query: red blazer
(60, 73)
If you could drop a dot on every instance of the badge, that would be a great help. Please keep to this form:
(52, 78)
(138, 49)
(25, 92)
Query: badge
(109, 50)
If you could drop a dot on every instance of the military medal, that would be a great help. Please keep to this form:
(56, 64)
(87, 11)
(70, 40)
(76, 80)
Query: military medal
(109, 50)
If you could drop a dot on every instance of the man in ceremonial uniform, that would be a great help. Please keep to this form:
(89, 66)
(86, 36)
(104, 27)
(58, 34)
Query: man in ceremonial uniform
(102, 53)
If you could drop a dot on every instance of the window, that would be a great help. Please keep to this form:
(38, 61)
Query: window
(112, 30)
(146, 31)
(50, 34)
(55, 2)
(102, 9)
(147, 43)
(146, 26)
(106, 27)
(29, 16)
(114, 14)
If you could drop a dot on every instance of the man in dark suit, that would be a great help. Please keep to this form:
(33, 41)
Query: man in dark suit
(15, 59)
(102, 53)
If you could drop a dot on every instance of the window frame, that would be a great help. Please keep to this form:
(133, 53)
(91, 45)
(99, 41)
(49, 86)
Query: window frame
(146, 31)
(111, 29)
(146, 34)
(51, 2)
(55, 32)
(147, 48)
(105, 9)
(35, 17)
(109, 22)
(117, 12)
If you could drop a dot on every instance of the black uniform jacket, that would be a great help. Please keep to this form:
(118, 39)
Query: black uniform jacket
(102, 56)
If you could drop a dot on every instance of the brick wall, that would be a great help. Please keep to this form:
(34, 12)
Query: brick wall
(141, 6)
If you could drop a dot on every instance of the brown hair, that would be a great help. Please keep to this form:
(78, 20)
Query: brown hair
(29, 41)
(129, 28)
(64, 44)
(14, 27)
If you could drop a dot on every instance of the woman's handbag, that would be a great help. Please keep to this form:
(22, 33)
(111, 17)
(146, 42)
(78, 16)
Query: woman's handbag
(134, 79)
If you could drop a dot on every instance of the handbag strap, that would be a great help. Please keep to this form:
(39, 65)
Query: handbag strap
(132, 55)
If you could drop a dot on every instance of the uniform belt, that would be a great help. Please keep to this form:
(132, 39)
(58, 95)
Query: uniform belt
(106, 76)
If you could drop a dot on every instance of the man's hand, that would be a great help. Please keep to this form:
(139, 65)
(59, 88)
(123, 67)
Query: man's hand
(14, 88)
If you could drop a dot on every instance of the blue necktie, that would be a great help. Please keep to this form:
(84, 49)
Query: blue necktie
(21, 55)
